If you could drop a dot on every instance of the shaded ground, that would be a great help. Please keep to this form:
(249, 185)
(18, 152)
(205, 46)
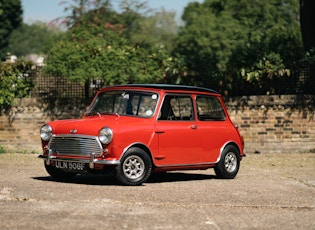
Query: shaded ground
(274, 191)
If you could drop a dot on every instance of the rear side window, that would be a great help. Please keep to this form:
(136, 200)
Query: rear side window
(209, 109)
(177, 107)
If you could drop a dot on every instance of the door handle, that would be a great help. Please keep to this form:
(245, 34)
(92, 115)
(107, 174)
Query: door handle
(193, 126)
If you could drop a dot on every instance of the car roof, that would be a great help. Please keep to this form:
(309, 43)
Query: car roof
(167, 87)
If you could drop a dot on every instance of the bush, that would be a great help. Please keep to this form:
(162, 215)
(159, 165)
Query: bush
(14, 82)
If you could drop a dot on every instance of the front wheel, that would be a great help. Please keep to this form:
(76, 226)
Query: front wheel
(135, 167)
(229, 163)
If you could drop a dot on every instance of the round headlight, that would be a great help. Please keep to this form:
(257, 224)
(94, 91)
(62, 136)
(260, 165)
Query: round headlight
(105, 135)
(45, 132)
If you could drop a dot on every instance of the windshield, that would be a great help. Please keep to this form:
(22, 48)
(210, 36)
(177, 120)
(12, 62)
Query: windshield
(133, 103)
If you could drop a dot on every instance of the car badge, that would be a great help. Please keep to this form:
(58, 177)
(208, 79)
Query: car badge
(73, 130)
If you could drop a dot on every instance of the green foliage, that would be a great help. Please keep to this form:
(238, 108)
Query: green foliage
(89, 51)
(14, 82)
(135, 20)
(158, 28)
(237, 43)
(31, 39)
(310, 56)
(84, 11)
(10, 18)
(233, 46)
(2, 150)
(115, 47)
(271, 66)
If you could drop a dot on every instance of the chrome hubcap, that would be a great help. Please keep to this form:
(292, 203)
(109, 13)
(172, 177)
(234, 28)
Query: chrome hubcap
(230, 162)
(133, 167)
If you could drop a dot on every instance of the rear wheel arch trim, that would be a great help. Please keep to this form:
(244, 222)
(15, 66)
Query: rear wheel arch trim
(225, 146)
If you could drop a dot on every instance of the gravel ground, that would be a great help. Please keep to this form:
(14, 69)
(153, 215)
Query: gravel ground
(274, 191)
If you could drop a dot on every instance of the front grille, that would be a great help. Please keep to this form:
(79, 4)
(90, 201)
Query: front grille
(75, 145)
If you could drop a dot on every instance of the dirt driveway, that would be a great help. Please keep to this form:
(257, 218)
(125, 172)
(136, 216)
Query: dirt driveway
(270, 192)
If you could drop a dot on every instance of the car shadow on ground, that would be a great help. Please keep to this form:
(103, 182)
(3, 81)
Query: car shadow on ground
(110, 179)
(178, 176)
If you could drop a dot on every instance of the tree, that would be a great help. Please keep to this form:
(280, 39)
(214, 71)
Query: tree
(31, 39)
(272, 53)
(88, 52)
(101, 44)
(307, 20)
(10, 18)
(79, 9)
(156, 28)
(207, 41)
(241, 43)
(135, 20)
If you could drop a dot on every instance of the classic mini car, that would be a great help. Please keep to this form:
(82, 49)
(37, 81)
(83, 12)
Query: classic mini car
(136, 130)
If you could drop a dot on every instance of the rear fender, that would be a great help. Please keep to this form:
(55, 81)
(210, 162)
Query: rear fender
(227, 144)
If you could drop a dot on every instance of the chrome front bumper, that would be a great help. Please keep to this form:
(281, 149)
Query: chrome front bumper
(92, 161)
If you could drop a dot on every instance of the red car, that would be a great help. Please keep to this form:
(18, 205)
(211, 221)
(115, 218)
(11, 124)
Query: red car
(136, 130)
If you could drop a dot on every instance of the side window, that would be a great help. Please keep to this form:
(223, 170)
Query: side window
(209, 109)
(177, 107)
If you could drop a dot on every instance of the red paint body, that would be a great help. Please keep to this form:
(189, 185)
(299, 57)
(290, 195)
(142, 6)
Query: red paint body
(171, 144)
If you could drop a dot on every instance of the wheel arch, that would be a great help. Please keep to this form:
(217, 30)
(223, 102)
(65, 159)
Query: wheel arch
(229, 143)
(140, 146)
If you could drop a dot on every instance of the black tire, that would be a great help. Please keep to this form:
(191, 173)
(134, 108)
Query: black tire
(229, 164)
(59, 174)
(135, 167)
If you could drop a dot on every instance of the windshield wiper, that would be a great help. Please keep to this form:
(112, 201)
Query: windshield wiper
(92, 113)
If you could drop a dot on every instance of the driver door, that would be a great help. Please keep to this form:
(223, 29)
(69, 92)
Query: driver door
(177, 132)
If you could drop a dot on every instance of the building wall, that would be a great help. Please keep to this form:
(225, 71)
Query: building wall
(269, 124)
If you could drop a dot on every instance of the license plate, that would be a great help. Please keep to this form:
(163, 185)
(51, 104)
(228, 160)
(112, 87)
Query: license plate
(69, 165)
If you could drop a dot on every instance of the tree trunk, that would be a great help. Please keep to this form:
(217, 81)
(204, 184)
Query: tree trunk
(307, 21)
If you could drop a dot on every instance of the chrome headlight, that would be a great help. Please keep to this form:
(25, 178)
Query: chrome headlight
(45, 132)
(105, 135)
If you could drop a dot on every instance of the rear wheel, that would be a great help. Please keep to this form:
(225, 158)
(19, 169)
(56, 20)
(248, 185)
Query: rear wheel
(59, 174)
(135, 167)
(229, 164)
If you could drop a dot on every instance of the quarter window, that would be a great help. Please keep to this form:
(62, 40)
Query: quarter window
(209, 109)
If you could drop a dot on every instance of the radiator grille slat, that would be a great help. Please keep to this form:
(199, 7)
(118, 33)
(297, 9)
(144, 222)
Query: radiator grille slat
(75, 145)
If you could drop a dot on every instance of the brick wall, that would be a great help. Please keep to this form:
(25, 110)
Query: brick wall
(19, 128)
(269, 124)
(275, 124)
